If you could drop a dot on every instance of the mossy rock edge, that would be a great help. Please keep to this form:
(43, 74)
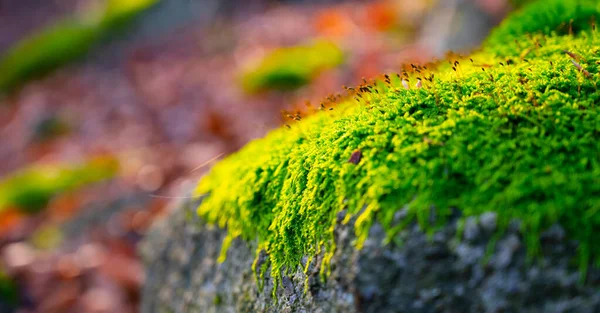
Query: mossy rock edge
(512, 128)
(418, 275)
(509, 131)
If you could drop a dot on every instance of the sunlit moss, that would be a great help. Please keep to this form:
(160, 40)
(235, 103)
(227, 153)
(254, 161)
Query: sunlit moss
(493, 131)
(30, 189)
(291, 67)
(548, 17)
(118, 12)
(64, 41)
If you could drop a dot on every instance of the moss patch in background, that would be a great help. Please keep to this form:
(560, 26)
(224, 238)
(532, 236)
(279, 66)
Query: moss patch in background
(291, 67)
(512, 129)
(8, 290)
(29, 190)
(66, 40)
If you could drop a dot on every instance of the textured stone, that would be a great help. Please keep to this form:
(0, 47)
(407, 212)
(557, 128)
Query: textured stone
(424, 274)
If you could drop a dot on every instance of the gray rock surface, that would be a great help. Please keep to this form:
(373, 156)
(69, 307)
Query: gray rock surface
(413, 274)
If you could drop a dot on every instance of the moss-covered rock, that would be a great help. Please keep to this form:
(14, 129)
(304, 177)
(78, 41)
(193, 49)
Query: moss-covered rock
(418, 274)
(468, 185)
(511, 129)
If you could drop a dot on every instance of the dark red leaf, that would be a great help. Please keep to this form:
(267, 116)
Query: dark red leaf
(355, 157)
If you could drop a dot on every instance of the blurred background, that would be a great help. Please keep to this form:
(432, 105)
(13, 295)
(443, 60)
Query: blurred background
(112, 109)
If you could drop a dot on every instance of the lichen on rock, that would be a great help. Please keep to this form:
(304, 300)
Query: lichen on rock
(511, 129)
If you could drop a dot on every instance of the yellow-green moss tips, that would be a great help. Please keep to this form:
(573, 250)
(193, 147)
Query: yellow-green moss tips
(291, 67)
(490, 132)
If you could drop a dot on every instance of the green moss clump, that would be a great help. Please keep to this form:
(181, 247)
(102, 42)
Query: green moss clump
(63, 42)
(488, 132)
(291, 67)
(31, 189)
(549, 17)
(45, 51)
(8, 289)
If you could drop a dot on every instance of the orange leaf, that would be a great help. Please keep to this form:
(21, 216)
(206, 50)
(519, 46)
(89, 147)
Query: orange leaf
(332, 23)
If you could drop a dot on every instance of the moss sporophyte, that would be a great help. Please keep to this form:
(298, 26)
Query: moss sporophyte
(513, 128)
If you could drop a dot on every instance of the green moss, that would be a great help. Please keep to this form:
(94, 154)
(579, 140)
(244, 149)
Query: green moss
(63, 42)
(119, 12)
(496, 133)
(549, 17)
(519, 3)
(8, 289)
(45, 51)
(217, 300)
(31, 189)
(291, 67)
